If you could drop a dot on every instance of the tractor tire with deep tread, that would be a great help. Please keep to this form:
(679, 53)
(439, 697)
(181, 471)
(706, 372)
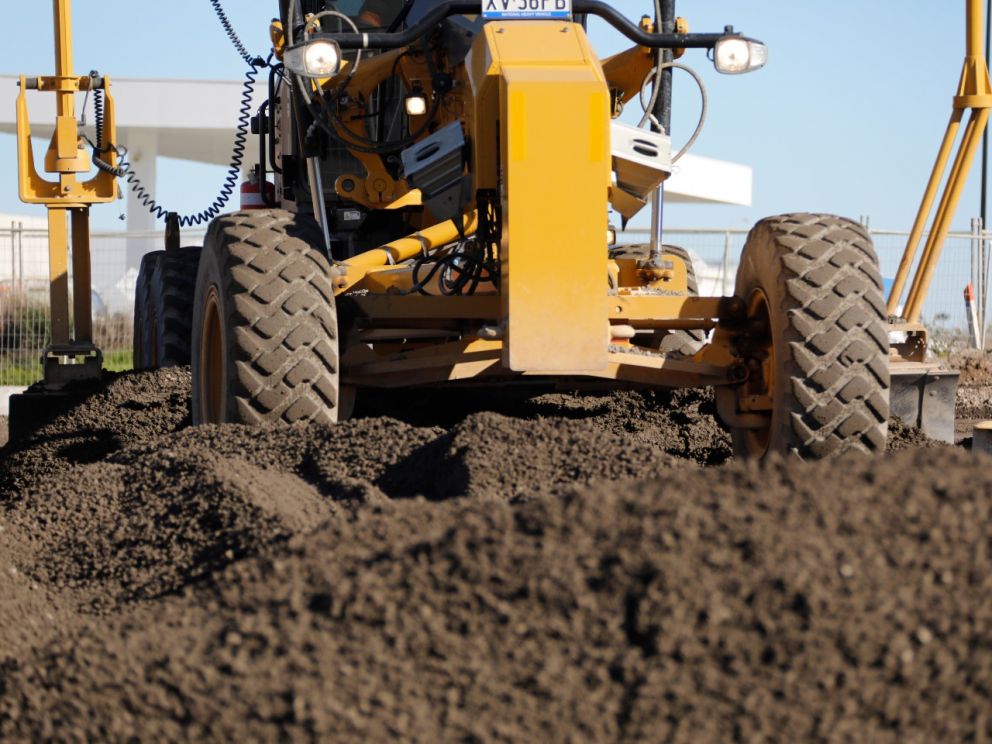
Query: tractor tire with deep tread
(173, 289)
(683, 342)
(144, 333)
(818, 278)
(265, 337)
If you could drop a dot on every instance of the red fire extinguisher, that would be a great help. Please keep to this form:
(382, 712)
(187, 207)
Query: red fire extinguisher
(251, 192)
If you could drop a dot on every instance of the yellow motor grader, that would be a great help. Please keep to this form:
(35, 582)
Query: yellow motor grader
(444, 174)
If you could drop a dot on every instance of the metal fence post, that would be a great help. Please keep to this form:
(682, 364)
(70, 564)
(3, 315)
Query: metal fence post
(972, 292)
(20, 256)
(983, 280)
(726, 264)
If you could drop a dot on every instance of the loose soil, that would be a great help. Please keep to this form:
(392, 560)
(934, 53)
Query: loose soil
(974, 398)
(560, 567)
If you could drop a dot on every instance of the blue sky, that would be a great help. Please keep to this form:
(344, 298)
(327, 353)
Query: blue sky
(846, 118)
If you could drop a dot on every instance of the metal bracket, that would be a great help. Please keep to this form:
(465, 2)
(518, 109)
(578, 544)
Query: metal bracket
(173, 234)
(74, 362)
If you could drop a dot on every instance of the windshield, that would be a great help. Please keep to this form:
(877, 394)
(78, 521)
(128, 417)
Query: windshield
(381, 13)
(366, 13)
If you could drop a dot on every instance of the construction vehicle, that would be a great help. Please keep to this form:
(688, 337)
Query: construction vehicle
(443, 178)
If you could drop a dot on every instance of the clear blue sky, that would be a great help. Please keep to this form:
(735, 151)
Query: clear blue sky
(846, 118)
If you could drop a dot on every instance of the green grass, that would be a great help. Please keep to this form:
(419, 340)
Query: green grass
(19, 374)
(22, 372)
(121, 360)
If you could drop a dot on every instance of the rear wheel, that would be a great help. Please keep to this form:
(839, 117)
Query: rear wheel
(265, 338)
(144, 334)
(816, 343)
(163, 308)
(173, 289)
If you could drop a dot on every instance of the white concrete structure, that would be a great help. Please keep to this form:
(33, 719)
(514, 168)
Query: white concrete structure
(195, 120)
(700, 180)
(5, 393)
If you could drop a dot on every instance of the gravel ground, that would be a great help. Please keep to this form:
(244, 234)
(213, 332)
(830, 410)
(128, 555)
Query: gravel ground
(560, 568)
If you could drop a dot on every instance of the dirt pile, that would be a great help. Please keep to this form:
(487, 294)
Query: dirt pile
(974, 396)
(549, 568)
(975, 367)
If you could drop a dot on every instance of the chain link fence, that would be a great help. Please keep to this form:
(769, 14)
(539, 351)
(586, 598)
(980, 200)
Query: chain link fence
(24, 311)
(716, 253)
(25, 320)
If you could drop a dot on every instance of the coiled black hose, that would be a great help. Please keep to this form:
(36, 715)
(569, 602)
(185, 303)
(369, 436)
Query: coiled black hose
(231, 33)
(231, 181)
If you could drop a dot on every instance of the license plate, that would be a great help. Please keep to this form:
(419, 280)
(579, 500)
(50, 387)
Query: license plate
(503, 10)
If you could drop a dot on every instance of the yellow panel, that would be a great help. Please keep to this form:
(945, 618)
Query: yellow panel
(556, 175)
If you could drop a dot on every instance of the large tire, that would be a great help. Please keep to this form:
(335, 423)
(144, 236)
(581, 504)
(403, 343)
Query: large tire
(173, 289)
(265, 339)
(683, 342)
(818, 342)
(144, 333)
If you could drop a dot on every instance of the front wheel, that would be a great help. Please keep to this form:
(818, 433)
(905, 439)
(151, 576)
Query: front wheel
(816, 342)
(265, 335)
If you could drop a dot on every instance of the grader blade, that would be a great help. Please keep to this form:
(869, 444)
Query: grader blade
(923, 395)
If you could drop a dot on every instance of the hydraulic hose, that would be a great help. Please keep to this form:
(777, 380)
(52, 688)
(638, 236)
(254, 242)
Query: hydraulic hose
(125, 169)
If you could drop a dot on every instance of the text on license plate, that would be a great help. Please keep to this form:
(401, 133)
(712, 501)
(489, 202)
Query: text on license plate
(507, 9)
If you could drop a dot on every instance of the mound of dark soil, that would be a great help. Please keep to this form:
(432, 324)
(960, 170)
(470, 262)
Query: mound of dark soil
(508, 568)
(736, 603)
(126, 409)
(975, 367)
(903, 436)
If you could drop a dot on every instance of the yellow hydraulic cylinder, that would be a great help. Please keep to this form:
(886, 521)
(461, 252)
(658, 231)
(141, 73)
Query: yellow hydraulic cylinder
(425, 241)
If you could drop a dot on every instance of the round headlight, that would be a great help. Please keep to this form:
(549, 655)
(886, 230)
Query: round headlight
(734, 55)
(316, 58)
(322, 58)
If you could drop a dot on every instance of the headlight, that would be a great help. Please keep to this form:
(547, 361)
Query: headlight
(734, 55)
(416, 104)
(317, 58)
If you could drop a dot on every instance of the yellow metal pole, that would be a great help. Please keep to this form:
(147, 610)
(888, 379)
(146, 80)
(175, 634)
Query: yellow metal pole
(975, 16)
(909, 255)
(58, 273)
(945, 214)
(65, 143)
(63, 37)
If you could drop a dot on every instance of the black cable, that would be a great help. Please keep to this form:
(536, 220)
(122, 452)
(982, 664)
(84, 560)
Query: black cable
(462, 270)
(98, 120)
(231, 181)
(231, 33)
(321, 113)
